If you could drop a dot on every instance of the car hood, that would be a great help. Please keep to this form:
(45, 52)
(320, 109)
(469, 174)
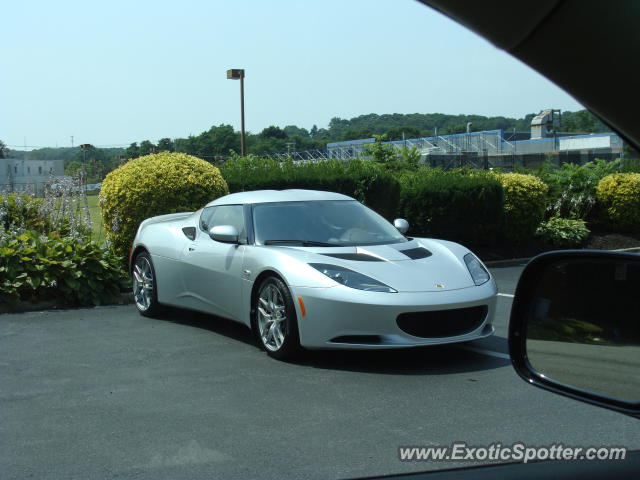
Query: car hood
(420, 265)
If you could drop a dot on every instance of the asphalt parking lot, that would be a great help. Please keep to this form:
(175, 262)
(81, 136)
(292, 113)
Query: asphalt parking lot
(105, 393)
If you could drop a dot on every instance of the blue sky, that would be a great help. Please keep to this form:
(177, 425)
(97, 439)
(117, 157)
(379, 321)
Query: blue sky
(114, 72)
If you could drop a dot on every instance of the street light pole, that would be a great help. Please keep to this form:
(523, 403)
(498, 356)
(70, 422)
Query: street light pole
(238, 74)
(242, 114)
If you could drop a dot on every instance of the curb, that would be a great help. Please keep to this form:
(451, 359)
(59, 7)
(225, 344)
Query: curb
(632, 249)
(512, 262)
(23, 307)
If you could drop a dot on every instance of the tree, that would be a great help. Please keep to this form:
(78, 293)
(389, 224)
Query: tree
(72, 168)
(225, 140)
(3, 150)
(355, 134)
(293, 131)
(381, 152)
(146, 147)
(95, 162)
(581, 122)
(133, 150)
(410, 156)
(408, 131)
(273, 132)
(165, 145)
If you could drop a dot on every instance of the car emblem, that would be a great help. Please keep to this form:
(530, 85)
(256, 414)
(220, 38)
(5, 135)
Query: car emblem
(438, 285)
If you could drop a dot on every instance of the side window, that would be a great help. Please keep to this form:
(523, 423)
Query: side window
(205, 218)
(224, 215)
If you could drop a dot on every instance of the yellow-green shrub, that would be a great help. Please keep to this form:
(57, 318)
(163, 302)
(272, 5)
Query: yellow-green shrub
(524, 204)
(153, 185)
(618, 196)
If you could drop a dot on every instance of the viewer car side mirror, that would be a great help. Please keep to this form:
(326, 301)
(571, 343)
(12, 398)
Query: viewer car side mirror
(224, 233)
(401, 225)
(575, 327)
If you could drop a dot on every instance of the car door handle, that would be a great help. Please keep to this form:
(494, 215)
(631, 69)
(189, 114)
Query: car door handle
(191, 249)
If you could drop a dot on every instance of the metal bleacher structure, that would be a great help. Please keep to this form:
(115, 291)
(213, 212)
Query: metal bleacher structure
(441, 150)
(486, 149)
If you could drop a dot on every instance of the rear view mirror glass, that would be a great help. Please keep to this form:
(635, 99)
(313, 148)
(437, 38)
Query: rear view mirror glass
(583, 326)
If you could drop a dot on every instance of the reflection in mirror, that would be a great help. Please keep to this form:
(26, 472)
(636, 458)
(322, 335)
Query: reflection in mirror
(583, 326)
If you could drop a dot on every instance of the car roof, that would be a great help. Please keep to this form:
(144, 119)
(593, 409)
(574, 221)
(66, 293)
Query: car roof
(272, 196)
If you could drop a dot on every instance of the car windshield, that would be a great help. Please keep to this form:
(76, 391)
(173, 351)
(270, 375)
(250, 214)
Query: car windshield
(322, 223)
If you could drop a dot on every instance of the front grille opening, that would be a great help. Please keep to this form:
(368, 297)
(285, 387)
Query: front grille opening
(365, 339)
(443, 323)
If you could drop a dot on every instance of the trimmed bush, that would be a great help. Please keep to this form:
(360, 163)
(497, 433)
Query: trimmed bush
(454, 205)
(525, 198)
(619, 198)
(563, 232)
(153, 185)
(36, 267)
(365, 181)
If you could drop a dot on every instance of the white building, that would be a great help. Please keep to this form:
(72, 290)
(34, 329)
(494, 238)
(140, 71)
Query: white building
(28, 175)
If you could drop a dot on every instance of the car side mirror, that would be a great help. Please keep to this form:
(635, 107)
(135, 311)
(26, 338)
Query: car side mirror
(575, 327)
(401, 225)
(224, 233)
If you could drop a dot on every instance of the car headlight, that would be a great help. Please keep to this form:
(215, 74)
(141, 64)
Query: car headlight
(476, 269)
(352, 279)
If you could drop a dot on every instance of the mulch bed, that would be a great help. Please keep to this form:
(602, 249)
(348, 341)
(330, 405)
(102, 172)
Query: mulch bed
(597, 241)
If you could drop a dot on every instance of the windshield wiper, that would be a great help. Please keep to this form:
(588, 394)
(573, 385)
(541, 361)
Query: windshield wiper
(304, 243)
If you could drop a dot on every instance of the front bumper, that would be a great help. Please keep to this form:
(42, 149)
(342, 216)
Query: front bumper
(342, 317)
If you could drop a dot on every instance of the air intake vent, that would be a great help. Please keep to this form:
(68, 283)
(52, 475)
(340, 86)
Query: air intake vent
(189, 232)
(359, 339)
(358, 257)
(417, 253)
(443, 323)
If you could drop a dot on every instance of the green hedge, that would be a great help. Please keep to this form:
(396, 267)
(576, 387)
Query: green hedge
(456, 205)
(525, 201)
(368, 182)
(618, 196)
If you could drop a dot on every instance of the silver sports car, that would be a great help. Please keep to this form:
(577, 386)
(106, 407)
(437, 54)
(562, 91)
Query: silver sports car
(312, 269)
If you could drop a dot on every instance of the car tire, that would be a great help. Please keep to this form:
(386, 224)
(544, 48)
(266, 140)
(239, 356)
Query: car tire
(145, 291)
(275, 319)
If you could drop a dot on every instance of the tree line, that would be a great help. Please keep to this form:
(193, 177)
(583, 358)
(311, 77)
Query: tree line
(220, 141)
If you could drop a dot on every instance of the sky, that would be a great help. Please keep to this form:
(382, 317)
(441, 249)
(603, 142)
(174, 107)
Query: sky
(114, 72)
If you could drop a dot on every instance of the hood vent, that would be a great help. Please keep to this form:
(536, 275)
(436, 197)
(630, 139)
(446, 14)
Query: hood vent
(358, 257)
(416, 253)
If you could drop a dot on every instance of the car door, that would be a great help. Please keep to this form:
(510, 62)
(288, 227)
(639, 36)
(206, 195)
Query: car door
(211, 270)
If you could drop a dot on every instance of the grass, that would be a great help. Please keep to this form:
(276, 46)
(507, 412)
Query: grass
(97, 229)
(96, 218)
